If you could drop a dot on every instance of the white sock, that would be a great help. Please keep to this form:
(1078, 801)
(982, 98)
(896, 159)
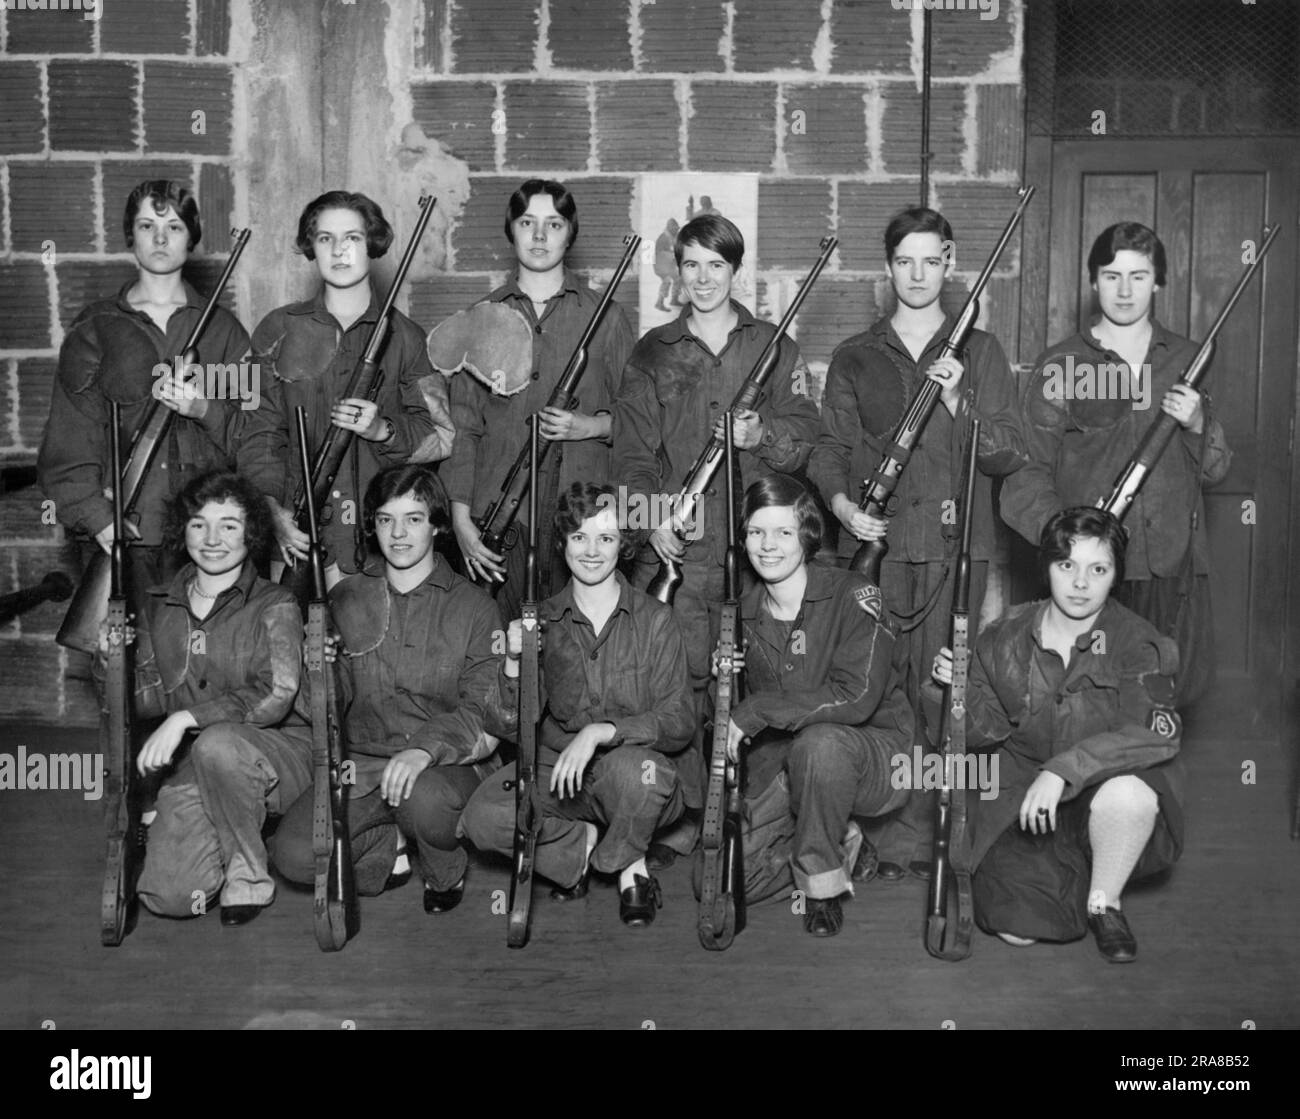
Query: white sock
(147, 818)
(401, 864)
(627, 878)
(592, 837)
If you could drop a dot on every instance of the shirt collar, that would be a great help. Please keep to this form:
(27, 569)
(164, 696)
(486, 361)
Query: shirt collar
(441, 576)
(1085, 640)
(192, 298)
(572, 282)
(1160, 336)
(821, 585)
(317, 309)
(677, 329)
(555, 607)
(177, 594)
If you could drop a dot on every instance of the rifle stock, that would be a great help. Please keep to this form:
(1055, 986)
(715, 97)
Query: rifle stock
(116, 728)
(528, 809)
(669, 576)
(952, 854)
(336, 912)
(496, 522)
(879, 488)
(1157, 437)
(722, 883)
(365, 383)
(89, 605)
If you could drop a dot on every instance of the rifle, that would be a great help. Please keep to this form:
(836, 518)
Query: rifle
(952, 848)
(1134, 475)
(336, 912)
(722, 888)
(879, 488)
(89, 606)
(55, 587)
(528, 808)
(122, 860)
(365, 383)
(496, 522)
(669, 576)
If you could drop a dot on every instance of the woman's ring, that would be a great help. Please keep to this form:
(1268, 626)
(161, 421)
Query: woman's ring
(1042, 811)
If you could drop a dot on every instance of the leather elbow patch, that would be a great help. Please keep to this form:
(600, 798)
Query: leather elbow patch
(1165, 722)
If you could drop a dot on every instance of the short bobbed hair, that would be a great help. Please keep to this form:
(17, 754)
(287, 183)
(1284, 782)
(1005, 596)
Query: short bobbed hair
(219, 486)
(715, 233)
(1069, 525)
(581, 501)
(565, 205)
(160, 194)
(1130, 235)
(781, 489)
(918, 219)
(398, 481)
(379, 233)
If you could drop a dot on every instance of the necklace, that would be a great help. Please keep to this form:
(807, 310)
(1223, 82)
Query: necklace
(194, 589)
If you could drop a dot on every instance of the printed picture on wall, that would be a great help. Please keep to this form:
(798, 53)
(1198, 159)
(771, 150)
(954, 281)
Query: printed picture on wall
(668, 202)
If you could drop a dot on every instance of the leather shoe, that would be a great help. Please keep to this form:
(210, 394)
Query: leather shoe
(890, 872)
(921, 868)
(637, 904)
(232, 916)
(574, 892)
(441, 901)
(659, 857)
(823, 917)
(1115, 940)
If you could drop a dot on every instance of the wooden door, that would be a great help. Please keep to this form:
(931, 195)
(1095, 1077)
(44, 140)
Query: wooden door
(1206, 199)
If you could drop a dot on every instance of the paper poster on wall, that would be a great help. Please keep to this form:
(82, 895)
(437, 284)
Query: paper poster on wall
(668, 202)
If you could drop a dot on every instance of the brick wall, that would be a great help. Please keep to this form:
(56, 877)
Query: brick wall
(819, 97)
(91, 107)
(590, 91)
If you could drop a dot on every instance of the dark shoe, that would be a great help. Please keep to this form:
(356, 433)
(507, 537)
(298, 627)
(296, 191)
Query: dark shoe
(575, 892)
(891, 872)
(637, 904)
(824, 916)
(441, 901)
(232, 916)
(921, 868)
(659, 857)
(394, 880)
(868, 864)
(1115, 939)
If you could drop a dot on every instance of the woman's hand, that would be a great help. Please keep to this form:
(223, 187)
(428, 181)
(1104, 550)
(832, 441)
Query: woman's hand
(941, 670)
(400, 773)
(1038, 809)
(161, 746)
(861, 525)
(947, 373)
(360, 416)
(566, 777)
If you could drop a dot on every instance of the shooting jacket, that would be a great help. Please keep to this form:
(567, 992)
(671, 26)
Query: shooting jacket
(415, 670)
(1079, 447)
(240, 664)
(632, 674)
(871, 380)
(1110, 712)
(674, 390)
(492, 429)
(306, 358)
(832, 665)
(109, 353)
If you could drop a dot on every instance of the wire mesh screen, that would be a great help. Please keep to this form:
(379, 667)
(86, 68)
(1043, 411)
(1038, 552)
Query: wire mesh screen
(1164, 67)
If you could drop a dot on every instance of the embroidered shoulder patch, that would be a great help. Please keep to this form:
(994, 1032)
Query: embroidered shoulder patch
(868, 598)
(1165, 722)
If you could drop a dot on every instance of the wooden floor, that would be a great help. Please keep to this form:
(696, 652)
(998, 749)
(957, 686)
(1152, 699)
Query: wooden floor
(1219, 944)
